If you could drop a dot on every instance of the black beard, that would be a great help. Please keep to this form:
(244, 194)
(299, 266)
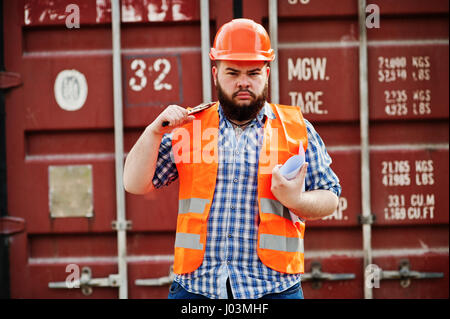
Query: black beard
(239, 113)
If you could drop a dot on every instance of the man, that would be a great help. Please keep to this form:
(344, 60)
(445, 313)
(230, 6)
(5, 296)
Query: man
(240, 222)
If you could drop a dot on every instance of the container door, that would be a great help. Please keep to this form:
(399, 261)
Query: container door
(409, 110)
(60, 149)
(60, 139)
(318, 62)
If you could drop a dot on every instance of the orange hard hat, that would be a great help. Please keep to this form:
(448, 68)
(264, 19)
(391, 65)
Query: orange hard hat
(242, 39)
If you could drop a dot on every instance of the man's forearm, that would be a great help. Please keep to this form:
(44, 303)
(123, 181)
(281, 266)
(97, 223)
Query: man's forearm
(141, 162)
(315, 204)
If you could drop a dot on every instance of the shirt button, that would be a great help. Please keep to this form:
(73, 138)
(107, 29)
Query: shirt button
(237, 152)
(229, 235)
(235, 180)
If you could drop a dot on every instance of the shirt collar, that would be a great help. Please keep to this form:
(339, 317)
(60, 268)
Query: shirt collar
(269, 112)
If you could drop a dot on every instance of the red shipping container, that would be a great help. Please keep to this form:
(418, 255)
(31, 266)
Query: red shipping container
(60, 138)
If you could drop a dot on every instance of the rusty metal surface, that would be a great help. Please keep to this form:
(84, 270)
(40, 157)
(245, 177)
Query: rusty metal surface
(330, 8)
(62, 115)
(38, 12)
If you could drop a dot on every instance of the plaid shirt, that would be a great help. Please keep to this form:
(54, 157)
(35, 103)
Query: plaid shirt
(232, 233)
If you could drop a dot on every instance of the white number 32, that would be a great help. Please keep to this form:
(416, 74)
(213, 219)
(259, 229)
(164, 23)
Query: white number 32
(139, 80)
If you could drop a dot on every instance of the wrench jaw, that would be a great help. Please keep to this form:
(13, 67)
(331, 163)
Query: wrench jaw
(194, 110)
(200, 107)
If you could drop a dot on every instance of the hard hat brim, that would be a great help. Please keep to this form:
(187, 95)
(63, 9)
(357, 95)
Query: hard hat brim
(228, 56)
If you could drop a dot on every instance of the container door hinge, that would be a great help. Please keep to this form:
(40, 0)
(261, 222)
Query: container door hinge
(86, 282)
(10, 225)
(405, 274)
(9, 80)
(157, 281)
(316, 276)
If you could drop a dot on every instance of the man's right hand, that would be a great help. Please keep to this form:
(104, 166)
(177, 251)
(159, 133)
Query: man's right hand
(141, 160)
(175, 115)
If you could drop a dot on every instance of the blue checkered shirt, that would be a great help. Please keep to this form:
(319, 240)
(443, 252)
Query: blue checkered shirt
(232, 233)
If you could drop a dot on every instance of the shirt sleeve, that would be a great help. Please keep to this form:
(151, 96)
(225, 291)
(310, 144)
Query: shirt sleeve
(166, 170)
(319, 174)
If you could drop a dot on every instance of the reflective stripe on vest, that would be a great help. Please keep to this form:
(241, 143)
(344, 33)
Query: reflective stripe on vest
(192, 205)
(186, 240)
(281, 243)
(271, 206)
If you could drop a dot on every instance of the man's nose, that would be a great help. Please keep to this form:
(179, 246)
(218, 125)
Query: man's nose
(243, 81)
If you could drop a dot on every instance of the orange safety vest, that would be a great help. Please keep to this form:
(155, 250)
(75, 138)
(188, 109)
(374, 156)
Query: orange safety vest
(195, 149)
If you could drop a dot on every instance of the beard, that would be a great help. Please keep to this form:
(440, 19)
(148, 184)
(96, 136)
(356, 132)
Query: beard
(241, 113)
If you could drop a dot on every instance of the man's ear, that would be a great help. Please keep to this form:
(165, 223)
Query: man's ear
(214, 71)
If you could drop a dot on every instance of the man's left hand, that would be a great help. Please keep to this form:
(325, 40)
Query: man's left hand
(288, 192)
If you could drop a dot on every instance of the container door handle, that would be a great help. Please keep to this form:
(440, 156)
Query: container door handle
(405, 274)
(86, 282)
(157, 281)
(317, 276)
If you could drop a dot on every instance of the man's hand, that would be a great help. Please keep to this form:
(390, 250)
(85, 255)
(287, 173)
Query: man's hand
(175, 115)
(309, 205)
(141, 160)
(288, 192)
